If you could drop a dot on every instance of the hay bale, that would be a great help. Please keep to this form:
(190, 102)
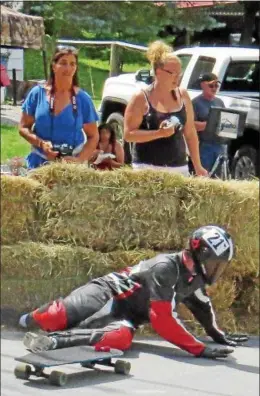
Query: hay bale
(19, 197)
(111, 210)
(247, 300)
(39, 273)
(233, 205)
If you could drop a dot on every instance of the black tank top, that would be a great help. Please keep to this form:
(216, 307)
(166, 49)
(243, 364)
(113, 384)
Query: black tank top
(169, 151)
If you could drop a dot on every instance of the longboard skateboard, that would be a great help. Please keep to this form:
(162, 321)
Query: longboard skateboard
(33, 364)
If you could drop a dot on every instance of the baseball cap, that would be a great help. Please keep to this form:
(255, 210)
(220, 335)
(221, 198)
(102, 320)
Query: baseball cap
(208, 77)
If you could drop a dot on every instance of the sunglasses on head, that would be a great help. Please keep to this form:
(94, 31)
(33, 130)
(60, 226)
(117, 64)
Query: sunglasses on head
(60, 48)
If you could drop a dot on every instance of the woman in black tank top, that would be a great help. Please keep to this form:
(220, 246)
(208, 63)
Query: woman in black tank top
(156, 144)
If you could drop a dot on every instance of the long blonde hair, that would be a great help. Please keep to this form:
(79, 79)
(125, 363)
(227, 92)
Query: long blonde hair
(159, 53)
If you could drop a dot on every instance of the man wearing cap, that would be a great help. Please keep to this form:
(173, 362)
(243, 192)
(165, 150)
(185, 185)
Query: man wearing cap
(209, 148)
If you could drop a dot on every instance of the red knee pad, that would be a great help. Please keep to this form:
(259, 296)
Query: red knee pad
(53, 318)
(117, 339)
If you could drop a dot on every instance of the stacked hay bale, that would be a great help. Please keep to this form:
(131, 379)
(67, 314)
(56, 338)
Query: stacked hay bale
(19, 220)
(110, 210)
(40, 272)
(95, 222)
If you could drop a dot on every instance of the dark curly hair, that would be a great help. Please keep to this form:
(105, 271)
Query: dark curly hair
(109, 127)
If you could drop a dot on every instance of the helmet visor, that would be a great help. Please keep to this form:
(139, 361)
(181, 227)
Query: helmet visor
(212, 270)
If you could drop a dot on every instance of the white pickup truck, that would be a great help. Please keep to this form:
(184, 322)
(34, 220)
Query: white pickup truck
(238, 71)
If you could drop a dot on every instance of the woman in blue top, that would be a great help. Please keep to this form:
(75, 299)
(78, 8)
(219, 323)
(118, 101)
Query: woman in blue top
(62, 114)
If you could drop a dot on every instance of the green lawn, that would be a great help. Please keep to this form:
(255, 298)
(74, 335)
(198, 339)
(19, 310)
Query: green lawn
(12, 144)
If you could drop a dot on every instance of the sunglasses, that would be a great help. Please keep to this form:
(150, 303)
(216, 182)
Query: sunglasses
(173, 73)
(216, 85)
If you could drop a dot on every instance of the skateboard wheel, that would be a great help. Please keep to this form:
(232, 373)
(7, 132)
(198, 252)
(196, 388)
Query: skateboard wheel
(122, 367)
(58, 378)
(22, 371)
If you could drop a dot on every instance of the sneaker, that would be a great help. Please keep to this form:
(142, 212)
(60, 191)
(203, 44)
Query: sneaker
(28, 322)
(38, 343)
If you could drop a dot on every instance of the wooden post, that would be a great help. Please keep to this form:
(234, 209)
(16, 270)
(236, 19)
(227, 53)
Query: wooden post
(114, 60)
(44, 58)
(14, 87)
(187, 38)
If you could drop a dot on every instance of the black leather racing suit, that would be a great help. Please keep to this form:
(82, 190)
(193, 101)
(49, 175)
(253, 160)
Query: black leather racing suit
(149, 292)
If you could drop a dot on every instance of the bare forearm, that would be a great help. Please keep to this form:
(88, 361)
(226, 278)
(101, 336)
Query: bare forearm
(193, 146)
(31, 138)
(116, 164)
(199, 125)
(88, 149)
(142, 136)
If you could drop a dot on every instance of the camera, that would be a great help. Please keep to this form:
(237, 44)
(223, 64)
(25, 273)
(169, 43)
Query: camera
(173, 122)
(63, 149)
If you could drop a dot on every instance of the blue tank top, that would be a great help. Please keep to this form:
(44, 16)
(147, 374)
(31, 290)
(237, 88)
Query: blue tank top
(170, 151)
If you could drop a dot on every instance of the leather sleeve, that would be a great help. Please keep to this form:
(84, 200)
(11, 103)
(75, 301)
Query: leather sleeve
(171, 329)
(200, 305)
(163, 317)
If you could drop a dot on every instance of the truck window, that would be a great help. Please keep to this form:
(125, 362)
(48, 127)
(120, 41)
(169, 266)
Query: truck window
(203, 65)
(242, 76)
(185, 59)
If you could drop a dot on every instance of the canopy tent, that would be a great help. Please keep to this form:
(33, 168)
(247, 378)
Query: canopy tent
(20, 30)
(192, 4)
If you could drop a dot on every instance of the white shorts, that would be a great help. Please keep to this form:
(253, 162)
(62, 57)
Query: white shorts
(183, 170)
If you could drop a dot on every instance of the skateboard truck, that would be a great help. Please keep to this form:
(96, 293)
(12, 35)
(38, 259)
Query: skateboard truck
(102, 348)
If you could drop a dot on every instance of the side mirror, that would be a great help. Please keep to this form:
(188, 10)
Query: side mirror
(144, 76)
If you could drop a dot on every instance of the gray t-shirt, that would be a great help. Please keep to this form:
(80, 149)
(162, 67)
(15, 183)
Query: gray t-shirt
(201, 107)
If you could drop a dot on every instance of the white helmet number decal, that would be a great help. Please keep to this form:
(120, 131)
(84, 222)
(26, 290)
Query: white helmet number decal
(216, 241)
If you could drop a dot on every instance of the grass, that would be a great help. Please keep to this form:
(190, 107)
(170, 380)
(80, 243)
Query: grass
(12, 144)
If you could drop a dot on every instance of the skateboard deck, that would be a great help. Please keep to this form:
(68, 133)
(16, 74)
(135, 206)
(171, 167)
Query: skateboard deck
(33, 364)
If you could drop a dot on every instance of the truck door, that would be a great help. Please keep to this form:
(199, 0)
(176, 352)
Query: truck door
(204, 64)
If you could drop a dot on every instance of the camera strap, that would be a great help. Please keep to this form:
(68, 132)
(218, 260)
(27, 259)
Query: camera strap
(74, 108)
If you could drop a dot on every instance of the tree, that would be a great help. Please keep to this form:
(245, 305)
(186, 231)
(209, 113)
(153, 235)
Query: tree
(132, 21)
(250, 10)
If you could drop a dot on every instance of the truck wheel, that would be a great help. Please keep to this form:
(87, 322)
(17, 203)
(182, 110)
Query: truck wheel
(244, 164)
(117, 121)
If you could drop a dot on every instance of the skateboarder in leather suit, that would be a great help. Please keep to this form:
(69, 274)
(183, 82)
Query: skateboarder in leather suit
(107, 310)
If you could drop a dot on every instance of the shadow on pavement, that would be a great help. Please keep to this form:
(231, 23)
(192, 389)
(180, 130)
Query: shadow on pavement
(179, 355)
(82, 379)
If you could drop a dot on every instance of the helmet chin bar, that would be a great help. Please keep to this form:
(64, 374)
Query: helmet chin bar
(204, 274)
(200, 269)
(215, 275)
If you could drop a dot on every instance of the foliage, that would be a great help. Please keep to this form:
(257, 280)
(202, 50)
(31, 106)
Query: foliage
(132, 21)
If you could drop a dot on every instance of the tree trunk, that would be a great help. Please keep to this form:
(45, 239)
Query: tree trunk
(250, 10)
(114, 60)
(188, 36)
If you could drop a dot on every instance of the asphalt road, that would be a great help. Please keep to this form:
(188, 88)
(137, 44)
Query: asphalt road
(157, 369)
